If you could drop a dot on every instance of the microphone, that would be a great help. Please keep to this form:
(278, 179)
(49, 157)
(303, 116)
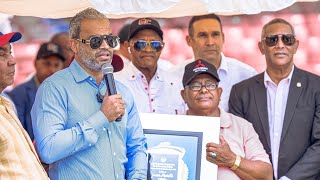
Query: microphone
(107, 71)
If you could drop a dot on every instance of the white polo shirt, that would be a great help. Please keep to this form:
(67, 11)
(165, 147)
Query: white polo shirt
(161, 95)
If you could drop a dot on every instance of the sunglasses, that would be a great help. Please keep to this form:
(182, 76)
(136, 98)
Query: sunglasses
(287, 39)
(140, 45)
(197, 86)
(96, 41)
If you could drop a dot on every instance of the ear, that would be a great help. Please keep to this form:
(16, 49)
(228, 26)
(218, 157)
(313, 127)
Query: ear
(261, 48)
(183, 95)
(222, 37)
(219, 92)
(126, 44)
(189, 40)
(74, 45)
(296, 46)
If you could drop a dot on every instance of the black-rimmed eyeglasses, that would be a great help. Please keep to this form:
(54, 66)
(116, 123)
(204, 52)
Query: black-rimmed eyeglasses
(197, 86)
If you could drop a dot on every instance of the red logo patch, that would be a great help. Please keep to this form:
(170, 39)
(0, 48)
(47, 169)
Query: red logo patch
(144, 21)
(199, 64)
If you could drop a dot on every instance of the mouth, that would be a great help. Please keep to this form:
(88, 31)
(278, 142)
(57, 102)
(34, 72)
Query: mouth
(280, 54)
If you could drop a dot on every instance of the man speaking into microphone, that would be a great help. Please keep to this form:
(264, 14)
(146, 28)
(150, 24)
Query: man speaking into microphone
(74, 115)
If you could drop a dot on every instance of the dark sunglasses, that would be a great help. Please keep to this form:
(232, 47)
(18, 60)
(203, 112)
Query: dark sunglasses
(96, 41)
(197, 86)
(154, 45)
(287, 39)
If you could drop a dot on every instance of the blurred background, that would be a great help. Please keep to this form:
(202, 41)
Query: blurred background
(242, 33)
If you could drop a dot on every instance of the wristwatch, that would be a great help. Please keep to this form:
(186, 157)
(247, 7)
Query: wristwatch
(236, 163)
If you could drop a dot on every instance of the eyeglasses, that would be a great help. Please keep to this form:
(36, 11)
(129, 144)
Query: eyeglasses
(197, 87)
(287, 39)
(96, 41)
(142, 44)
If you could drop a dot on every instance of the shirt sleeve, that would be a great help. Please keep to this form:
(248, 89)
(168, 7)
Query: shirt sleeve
(136, 145)
(54, 139)
(253, 147)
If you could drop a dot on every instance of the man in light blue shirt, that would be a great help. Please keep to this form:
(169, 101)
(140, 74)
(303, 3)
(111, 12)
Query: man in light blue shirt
(76, 132)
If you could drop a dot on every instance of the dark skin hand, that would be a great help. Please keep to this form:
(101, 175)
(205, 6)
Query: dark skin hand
(112, 106)
(225, 157)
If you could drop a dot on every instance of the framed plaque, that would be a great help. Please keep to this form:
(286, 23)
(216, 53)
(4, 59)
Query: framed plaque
(177, 146)
(173, 154)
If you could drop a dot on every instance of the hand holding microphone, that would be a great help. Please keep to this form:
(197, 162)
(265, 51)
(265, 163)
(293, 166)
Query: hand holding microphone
(112, 106)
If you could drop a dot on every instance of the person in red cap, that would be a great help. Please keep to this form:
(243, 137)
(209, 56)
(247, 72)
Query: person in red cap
(18, 159)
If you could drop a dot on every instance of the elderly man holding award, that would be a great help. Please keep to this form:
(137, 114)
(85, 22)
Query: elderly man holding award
(239, 154)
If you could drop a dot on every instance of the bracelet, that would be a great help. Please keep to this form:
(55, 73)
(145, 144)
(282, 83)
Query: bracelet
(236, 163)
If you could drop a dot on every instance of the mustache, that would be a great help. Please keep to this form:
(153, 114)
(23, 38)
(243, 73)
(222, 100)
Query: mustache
(102, 51)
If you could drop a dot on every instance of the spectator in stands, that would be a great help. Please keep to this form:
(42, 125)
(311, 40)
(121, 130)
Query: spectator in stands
(283, 104)
(155, 90)
(123, 49)
(49, 60)
(240, 154)
(206, 38)
(62, 39)
(18, 158)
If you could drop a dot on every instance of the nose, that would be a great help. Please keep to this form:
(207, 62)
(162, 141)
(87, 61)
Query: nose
(280, 43)
(104, 44)
(210, 40)
(148, 47)
(11, 60)
(203, 89)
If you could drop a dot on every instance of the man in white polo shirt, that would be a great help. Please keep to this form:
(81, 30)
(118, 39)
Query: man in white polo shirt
(206, 39)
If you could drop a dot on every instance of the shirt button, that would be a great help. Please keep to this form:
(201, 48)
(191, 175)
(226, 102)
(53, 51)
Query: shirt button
(117, 176)
(114, 154)
(276, 134)
(109, 132)
(90, 79)
(90, 144)
(104, 129)
(146, 88)
(154, 110)
(151, 99)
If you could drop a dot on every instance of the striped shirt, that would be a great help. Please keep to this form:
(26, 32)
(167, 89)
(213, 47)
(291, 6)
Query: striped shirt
(18, 158)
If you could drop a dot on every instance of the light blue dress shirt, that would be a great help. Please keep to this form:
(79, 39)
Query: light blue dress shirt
(76, 138)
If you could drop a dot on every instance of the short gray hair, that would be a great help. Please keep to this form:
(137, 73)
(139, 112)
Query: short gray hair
(276, 21)
(89, 13)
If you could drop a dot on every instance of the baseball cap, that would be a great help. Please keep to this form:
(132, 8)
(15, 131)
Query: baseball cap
(124, 33)
(9, 38)
(50, 49)
(198, 67)
(144, 23)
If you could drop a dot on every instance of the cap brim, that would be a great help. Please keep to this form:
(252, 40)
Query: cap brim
(9, 38)
(159, 31)
(117, 63)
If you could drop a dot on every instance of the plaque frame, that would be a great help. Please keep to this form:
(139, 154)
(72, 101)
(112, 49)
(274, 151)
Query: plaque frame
(185, 139)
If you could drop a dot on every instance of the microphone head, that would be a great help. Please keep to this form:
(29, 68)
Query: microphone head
(107, 68)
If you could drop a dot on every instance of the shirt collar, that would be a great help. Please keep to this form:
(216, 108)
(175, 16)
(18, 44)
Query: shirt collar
(78, 72)
(223, 64)
(135, 72)
(267, 78)
(225, 120)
